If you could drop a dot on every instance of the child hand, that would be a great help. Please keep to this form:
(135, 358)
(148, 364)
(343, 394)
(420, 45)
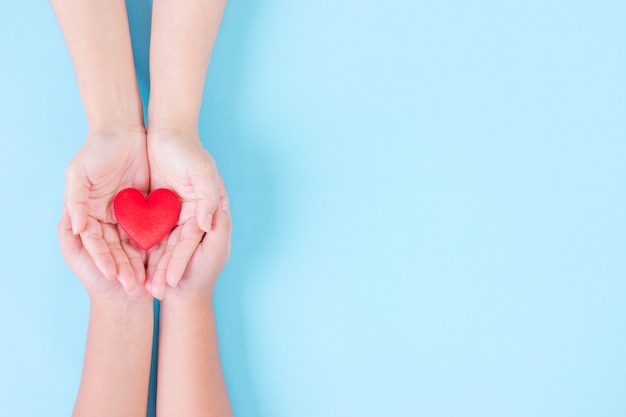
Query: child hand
(84, 267)
(205, 265)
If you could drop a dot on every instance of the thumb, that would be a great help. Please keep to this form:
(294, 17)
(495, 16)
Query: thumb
(70, 244)
(216, 244)
(222, 223)
(220, 235)
(77, 199)
(206, 191)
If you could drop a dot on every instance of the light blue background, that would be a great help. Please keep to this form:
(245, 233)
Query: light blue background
(429, 201)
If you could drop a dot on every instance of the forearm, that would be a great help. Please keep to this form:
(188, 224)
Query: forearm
(183, 35)
(116, 368)
(191, 382)
(98, 39)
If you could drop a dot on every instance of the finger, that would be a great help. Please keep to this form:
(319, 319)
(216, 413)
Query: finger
(223, 206)
(154, 257)
(219, 240)
(77, 198)
(221, 187)
(136, 256)
(70, 244)
(190, 237)
(206, 190)
(222, 225)
(98, 249)
(125, 272)
(159, 278)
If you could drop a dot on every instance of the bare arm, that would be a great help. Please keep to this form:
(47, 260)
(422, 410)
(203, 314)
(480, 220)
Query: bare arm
(190, 379)
(114, 155)
(97, 35)
(183, 35)
(190, 375)
(116, 367)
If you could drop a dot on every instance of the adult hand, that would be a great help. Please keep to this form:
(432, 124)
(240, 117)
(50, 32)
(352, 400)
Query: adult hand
(110, 160)
(180, 162)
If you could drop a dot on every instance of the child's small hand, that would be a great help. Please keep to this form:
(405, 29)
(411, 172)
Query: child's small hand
(205, 265)
(82, 264)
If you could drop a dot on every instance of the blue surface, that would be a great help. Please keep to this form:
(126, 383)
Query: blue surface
(429, 202)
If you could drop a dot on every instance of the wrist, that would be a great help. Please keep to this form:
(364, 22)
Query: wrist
(128, 319)
(125, 306)
(168, 111)
(136, 131)
(167, 129)
(122, 113)
(173, 302)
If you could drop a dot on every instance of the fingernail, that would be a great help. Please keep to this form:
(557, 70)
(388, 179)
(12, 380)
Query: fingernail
(131, 285)
(209, 222)
(170, 281)
(74, 227)
(225, 205)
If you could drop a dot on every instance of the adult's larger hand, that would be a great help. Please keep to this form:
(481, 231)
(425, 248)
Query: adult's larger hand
(109, 161)
(181, 41)
(114, 154)
(180, 162)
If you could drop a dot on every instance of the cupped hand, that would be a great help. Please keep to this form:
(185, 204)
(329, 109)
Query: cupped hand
(179, 162)
(205, 265)
(83, 265)
(110, 160)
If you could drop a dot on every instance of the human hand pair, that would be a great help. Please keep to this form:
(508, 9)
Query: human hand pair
(198, 278)
(117, 158)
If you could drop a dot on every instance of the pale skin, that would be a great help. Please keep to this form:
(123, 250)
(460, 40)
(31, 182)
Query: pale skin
(114, 155)
(182, 39)
(117, 357)
(119, 152)
(116, 367)
(190, 378)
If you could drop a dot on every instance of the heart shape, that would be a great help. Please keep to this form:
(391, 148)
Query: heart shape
(146, 220)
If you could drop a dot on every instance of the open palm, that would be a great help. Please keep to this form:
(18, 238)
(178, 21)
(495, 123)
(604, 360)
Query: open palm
(183, 165)
(108, 162)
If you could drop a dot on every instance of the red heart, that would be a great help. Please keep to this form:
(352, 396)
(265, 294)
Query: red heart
(146, 221)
